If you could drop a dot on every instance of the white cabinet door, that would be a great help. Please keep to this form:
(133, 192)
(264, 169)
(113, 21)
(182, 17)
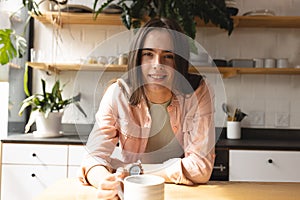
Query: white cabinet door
(28, 169)
(270, 166)
(34, 154)
(26, 181)
(76, 154)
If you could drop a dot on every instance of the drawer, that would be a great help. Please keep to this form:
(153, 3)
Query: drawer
(76, 154)
(26, 181)
(269, 166)
(34, 154)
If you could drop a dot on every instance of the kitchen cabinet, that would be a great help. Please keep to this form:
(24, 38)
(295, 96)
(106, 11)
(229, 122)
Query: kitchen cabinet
(76, 154)
(27, 169)
(264, 165)
(221, 169)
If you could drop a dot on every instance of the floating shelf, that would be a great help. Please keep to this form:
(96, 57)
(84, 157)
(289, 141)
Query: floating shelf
(60, 18)
(227, 72)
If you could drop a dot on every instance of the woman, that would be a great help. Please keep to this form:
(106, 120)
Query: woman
(159, 114)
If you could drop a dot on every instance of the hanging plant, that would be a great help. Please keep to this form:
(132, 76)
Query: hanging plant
(134, 12)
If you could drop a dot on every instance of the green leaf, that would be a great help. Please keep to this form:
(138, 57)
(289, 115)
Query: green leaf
(21, 46)
(80, 109)
(99, 10)
(32, 6)
(136, 24)
(44, 88)
(7, 49)
(126, 16)
(25, 81)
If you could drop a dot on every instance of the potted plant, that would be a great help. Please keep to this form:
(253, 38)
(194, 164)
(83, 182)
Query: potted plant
(184, 11)
(47, 110)
(134, 12)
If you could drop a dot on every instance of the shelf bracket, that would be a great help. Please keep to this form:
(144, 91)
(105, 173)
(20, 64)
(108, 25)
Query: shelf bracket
(236, 22)
(55, 20)
(52, 69)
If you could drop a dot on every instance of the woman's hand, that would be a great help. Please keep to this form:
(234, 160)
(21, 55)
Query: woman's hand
(109, 187)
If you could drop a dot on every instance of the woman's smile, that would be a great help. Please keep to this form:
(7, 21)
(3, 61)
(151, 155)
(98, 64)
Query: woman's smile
(157, 77)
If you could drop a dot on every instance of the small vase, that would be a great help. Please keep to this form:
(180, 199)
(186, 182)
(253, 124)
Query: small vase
(50, 126)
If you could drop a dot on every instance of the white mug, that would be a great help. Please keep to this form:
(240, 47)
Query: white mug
(233, 130)
(282, 63)
(143, 187)
(270, 63)
(258, 62)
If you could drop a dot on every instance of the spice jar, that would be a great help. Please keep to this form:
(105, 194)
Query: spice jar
(102, 60)
(91, 60)
(123, 59)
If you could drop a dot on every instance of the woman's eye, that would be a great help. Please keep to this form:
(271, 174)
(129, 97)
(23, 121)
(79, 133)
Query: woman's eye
(147, 54)
(169, 56)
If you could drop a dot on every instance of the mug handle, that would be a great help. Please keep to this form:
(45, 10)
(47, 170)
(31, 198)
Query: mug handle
(120, 190)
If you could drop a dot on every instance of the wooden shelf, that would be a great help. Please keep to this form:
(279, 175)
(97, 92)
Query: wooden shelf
(75, 67)
(267, 21)
(59, 18)
(233, 71)
(227, 72)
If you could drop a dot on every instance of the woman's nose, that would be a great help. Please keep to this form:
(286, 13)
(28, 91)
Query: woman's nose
(157, 59)
(157, 64)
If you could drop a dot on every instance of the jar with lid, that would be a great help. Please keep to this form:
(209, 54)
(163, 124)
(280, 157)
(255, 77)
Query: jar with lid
(123, 59)
(91, 60)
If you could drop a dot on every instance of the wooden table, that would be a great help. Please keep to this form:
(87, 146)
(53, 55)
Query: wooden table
(71, 189)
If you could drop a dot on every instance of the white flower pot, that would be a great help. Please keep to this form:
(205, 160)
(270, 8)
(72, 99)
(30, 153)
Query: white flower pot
(48, 127)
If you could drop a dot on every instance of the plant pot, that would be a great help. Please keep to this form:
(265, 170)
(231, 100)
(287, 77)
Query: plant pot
(48, 127)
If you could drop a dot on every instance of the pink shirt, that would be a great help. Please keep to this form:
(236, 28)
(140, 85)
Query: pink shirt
(192, 121)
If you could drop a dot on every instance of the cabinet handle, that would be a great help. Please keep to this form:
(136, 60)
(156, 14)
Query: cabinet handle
(33, 175)
(270, 161)
(34, 155)
(220, 167)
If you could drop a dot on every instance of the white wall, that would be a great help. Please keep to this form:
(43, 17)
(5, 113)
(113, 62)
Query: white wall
(261, 96)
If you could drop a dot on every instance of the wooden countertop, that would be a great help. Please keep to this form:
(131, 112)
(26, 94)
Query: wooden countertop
(68, 189)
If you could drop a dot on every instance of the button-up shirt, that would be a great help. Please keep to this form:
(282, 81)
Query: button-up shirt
(118, 122)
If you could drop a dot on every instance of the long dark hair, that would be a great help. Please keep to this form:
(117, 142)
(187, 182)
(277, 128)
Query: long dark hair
(181, 51)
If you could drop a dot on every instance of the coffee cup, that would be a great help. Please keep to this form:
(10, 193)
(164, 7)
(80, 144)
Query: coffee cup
(146, 187)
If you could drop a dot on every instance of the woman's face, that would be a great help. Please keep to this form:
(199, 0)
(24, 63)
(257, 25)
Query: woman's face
(158, 60)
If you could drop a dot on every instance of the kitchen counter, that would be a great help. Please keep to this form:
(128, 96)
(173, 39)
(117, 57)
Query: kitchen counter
(68, 189)
(29, 138)
(262, 139)
(265, 139)
(260, 144)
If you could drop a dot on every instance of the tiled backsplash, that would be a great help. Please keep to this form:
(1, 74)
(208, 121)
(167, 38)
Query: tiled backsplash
(269, 100)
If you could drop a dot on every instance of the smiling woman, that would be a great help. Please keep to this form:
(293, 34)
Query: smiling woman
(158, 113)
(158, 66)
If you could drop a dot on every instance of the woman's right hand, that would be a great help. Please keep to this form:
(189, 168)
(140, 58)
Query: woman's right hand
(108, 187)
